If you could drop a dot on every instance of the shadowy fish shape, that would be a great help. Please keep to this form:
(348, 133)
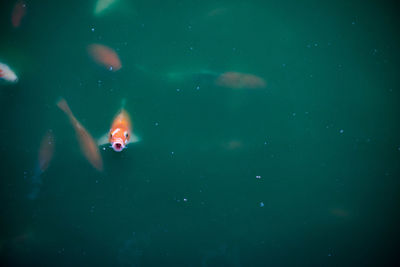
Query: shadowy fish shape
(103, 5)
(120, 134)
(87, 144)
(105, 56)
(238, 80)
(46, 152)
(18, 13)
(7, 74)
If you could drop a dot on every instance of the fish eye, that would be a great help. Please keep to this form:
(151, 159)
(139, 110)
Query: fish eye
(126, 135)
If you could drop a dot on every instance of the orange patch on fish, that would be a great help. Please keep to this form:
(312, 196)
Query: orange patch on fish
(120, 131)
(238, 80)
(105, 56)
(18, 13)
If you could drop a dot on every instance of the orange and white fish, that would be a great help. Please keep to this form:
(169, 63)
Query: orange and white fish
(86, 141)
(120, 134)
(7, 74)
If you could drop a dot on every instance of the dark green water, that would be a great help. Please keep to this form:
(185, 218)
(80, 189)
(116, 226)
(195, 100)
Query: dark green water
(323, 135)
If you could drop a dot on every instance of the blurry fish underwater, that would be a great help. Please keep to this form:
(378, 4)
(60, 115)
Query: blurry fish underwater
(120, 134)
(239, 80)
(87, 144)
(18, 13)
(7, 74)
(103, 5)
(229, 79)
(46, 152)
(105, 56)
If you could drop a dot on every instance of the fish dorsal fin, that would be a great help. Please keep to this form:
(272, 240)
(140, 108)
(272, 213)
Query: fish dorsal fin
(103, 139)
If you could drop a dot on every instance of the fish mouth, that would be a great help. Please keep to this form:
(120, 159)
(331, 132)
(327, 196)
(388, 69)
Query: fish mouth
(118, 146)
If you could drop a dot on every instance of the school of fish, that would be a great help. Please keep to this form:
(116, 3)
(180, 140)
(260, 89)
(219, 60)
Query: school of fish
(120, 134)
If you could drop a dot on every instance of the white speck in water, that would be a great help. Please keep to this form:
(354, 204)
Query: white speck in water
(341, 131)
(191, 48)
(197, 87)
(261, 204)
(178, 90)
(265, 143)
(172, 152)
(294, 114)
(156, 124)
(110, 68)
(258, 177)
(92, 29)
(104, 148)
(185, 199)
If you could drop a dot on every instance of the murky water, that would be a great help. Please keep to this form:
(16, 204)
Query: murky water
(268, 133)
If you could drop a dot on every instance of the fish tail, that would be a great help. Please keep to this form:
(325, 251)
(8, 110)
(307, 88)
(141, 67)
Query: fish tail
(63, 105)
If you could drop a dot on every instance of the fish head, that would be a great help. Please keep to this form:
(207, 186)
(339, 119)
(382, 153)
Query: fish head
(119, 139)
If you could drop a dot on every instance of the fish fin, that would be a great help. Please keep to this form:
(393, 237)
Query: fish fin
(103, 140)
(134, 139)
(63, 105)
